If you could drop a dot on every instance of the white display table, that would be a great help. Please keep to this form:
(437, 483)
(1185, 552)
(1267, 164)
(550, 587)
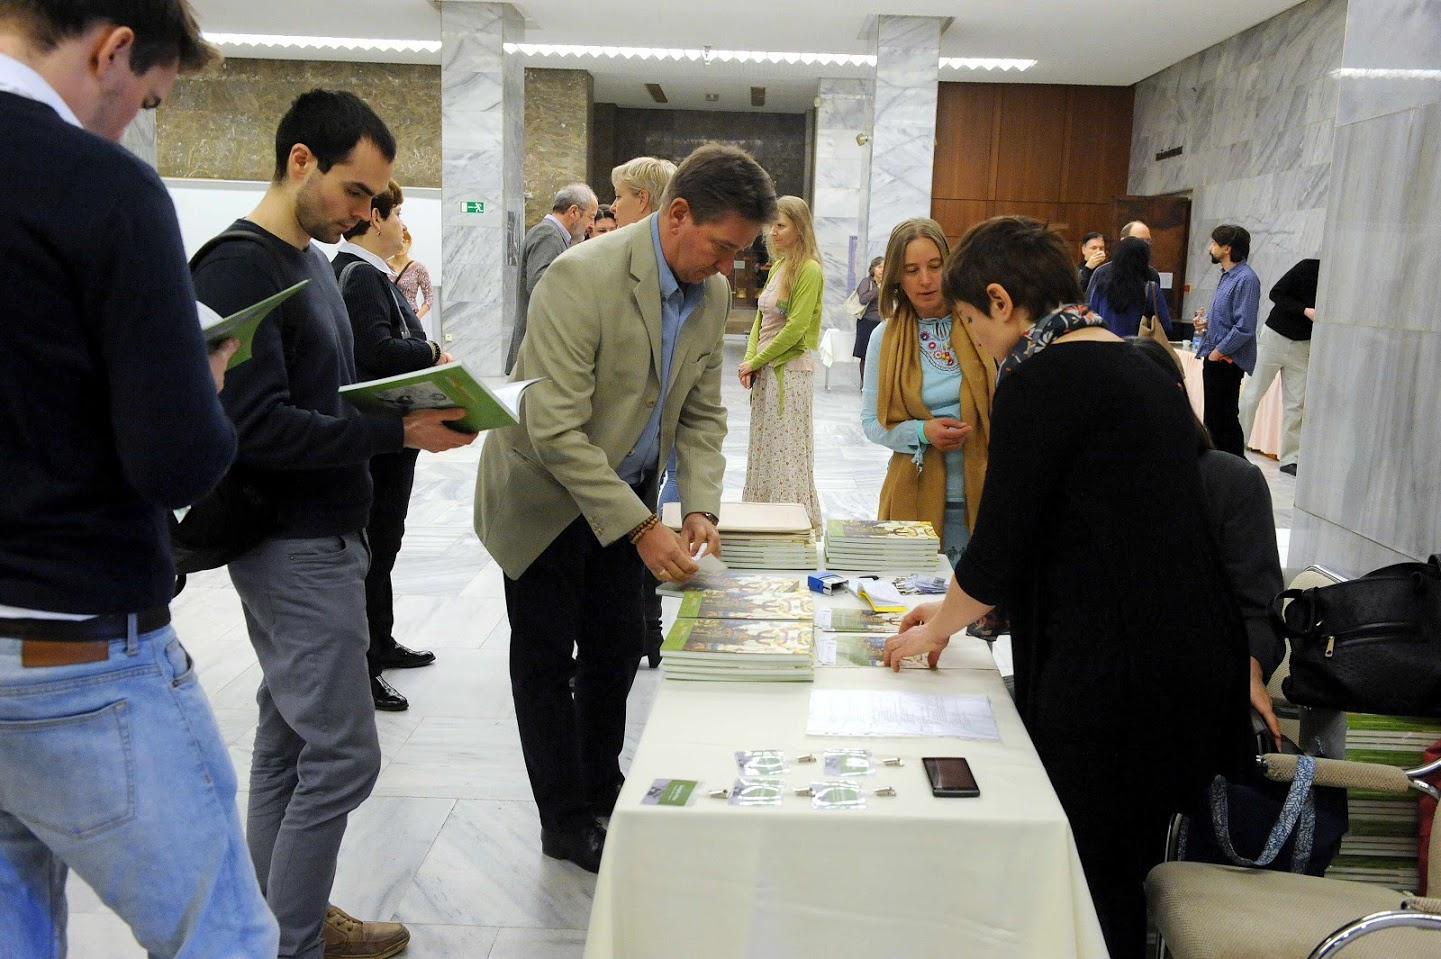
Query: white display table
(916, 876)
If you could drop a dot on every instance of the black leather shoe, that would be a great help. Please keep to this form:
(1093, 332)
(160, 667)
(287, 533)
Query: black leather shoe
(583, 847)
(1289, 468)
(386, 696)
(402, 658)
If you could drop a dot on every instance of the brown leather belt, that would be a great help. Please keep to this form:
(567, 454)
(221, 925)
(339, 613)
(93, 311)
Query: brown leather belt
(66, 642)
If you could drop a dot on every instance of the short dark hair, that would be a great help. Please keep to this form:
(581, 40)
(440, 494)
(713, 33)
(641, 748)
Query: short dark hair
(385, 203)
(330, 123)
(165, 30)
(1024, 256)
(1093, 235)
(717, 179)
(604, 212)
(1238, 238)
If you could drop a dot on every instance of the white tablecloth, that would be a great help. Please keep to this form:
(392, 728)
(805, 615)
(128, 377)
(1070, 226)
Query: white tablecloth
(915, 876)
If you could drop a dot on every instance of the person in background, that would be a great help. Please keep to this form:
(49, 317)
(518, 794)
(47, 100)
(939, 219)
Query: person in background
(1093, 254)
(927, 392)
(1228, 336)
(1083, 429)
(571, 215)
(412, 278)
(868, 291)
(388, 340)
(604, 222)
(639, 184)
(779, 369)
(111, 763)
(1238, 508)
(1284, 346)
(1126, 292)
(1134, 228)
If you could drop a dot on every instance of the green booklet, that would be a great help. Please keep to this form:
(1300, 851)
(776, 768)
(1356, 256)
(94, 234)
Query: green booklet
(441, 388)
(878, 532)
(738, 640)
(241, 324)
(724, 604)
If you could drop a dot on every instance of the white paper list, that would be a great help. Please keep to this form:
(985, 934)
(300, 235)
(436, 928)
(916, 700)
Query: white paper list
(840, 712)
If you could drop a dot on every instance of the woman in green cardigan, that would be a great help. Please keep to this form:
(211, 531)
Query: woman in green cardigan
(779, 369)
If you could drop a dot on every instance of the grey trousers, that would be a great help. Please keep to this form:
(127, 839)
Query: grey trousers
(317, 753)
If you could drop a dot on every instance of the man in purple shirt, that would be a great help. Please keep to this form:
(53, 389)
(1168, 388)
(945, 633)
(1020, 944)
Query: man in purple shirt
(1228, 336)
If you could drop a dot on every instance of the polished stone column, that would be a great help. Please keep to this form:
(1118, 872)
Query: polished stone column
(903, 132)
(842, 174)
(139, 136)
(1369, 489)
(482, 142)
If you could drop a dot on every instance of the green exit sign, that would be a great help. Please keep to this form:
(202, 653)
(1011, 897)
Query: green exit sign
(472, 206)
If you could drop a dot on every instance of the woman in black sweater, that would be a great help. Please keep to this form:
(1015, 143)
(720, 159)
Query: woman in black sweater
(1131, 660)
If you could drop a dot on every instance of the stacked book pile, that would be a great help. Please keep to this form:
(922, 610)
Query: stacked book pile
(743, 636)
(760, 535)
(870, 544)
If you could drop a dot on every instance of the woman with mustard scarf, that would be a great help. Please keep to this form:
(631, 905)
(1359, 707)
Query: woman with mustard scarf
(779, 370)
(927, 392)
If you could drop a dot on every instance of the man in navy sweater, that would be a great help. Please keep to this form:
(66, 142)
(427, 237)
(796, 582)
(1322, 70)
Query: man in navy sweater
(111, 763)
(317, 753)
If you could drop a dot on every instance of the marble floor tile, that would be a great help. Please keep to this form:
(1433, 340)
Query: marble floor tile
(102, 935)
(539, 944)
(429, 941)
(386, 840)
(486, 869)
(462, 682)
(459, 758)
(443, 622)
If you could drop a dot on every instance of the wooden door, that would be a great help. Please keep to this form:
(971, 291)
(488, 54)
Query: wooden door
(1169, 218)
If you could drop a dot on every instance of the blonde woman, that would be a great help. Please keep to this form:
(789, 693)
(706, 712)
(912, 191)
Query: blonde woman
(927, 392)
(639, 185)
(779, 370)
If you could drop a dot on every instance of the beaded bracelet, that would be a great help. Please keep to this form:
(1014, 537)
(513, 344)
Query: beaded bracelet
(643, 528)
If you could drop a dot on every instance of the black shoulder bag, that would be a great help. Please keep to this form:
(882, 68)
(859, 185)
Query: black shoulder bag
(235, 516)
(1368, 645)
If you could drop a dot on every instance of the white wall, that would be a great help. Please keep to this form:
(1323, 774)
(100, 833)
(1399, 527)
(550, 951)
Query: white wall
(207, 207)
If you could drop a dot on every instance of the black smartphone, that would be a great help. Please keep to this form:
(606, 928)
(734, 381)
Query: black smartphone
(950, 777)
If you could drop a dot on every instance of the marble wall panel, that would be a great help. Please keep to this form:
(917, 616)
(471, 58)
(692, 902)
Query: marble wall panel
(1255, 115)
(483, 109)
(139, 136)
(1369, 489)
(903, 129)
(557, 135)
(221, 124)
(842, 173)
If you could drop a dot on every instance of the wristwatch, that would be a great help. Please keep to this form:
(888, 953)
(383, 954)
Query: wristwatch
(714, 519)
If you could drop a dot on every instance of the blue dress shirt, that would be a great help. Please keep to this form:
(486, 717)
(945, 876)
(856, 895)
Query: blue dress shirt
(677, 302)
(1231, 322)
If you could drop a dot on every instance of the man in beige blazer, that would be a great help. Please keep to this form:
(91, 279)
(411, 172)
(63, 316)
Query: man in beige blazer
(627, 332)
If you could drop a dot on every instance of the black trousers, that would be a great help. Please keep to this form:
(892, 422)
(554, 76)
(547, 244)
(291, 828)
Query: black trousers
(1221, 385)
(583, 596)
(393, 475)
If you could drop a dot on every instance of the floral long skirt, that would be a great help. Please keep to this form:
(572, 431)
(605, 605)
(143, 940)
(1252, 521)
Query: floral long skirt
(780, 467)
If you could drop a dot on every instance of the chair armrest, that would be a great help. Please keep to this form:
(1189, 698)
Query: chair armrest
(1340, 772)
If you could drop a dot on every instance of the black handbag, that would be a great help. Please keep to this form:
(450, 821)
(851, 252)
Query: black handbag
(1295, 827)
(1369, 645)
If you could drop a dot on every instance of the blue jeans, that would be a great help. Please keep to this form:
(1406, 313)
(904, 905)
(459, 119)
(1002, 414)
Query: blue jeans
(116, 769)
(956, 535)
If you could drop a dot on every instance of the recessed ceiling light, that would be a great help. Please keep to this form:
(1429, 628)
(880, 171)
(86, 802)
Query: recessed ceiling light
(321, 43)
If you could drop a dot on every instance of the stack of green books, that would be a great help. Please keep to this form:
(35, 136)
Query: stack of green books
(739, 651)
(869, 544)
(728, 604)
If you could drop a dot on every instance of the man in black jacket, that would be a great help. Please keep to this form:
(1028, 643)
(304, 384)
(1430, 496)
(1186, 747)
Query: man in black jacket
(388, 340)
(110, 760)
(1284, 347)
(316, 752)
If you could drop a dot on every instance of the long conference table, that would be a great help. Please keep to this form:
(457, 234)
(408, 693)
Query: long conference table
(911, 875)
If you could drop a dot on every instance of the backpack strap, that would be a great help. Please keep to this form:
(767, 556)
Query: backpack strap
(349, 270)
(289, 332)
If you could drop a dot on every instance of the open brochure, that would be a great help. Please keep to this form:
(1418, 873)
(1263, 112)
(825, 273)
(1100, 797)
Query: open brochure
(241, 324)
(449, 386)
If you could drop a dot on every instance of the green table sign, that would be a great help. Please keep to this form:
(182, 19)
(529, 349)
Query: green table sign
(472, 206)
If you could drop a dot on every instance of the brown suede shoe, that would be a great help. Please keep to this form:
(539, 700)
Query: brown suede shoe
(346, 937)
